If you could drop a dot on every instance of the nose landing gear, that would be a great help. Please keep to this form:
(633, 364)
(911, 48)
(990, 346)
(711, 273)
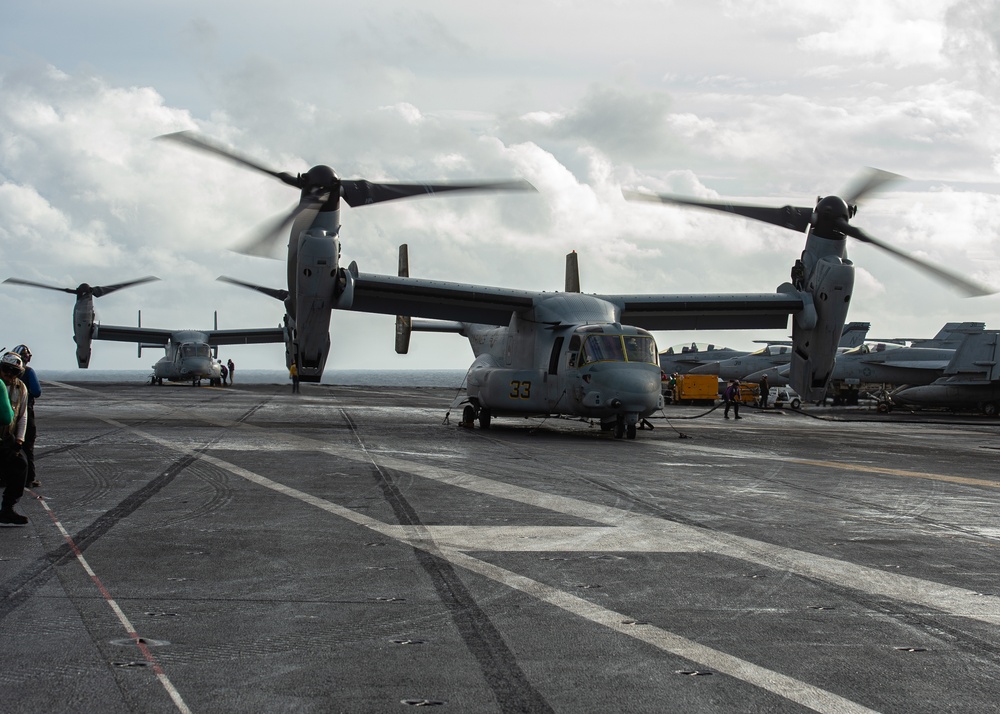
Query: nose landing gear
(624, 426)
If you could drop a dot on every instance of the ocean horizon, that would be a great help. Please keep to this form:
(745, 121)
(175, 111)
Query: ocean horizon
(363, 377)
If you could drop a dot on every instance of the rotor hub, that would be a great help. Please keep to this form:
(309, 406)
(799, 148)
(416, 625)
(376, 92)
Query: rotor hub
(319, 177)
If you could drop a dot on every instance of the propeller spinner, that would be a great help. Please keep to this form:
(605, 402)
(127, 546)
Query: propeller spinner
(830, 218)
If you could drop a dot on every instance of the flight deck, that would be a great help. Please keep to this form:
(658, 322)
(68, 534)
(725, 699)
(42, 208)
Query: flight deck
(354, 549)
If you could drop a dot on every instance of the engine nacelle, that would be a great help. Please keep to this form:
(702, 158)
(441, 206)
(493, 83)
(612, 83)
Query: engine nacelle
(83, 329)
(817, 329)
(316, 277)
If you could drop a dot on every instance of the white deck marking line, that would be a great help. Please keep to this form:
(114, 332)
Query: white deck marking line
(659, 535)
(133, 634)
(790, 688)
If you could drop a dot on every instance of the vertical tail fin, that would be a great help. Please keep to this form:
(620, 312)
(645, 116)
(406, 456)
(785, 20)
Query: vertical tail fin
(404, 324)
(572, 273)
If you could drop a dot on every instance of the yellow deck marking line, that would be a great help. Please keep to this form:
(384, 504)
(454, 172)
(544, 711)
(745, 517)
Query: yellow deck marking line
(964, 480)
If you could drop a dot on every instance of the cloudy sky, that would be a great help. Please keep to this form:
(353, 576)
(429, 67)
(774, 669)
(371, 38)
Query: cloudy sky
(771, 102)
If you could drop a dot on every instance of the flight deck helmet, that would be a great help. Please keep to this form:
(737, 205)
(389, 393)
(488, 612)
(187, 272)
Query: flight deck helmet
(23, 352)
(12, 363)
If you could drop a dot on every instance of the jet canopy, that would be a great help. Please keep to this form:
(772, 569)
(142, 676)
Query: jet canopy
(869, 348)
(686, 348)
(773, 350)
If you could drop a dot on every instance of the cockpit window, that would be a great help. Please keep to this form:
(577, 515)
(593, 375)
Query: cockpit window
(602, 348)
(640, 349)
(194, 349)
(618, 348)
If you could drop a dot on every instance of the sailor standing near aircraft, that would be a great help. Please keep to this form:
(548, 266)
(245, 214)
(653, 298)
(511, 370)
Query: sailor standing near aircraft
(232, 369)
(13, 424)
(732, 397)
(30, 380)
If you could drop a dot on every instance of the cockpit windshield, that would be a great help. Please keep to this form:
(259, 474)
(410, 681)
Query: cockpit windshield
(618, 348)
(195, 349)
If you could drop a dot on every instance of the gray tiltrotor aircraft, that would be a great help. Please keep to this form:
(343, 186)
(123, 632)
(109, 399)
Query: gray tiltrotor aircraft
(314, 275)
(590, 356)
(84, 316)
(189, 353)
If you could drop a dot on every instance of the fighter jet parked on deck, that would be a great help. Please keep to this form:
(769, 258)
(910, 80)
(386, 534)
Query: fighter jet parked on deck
(971, 379)
(773, 358)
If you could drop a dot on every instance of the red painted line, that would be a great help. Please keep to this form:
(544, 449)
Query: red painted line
(119, 613)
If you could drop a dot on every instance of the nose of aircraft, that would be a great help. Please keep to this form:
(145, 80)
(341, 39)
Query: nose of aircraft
(629, 387)
(197, 366)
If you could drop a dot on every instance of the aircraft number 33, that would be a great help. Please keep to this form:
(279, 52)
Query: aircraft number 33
(520, 390)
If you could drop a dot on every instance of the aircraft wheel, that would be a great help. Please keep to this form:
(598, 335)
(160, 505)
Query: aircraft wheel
(484, 418)
(630, 431)
(619, 428)
(468, 416)
(990, 409)
(883, 408)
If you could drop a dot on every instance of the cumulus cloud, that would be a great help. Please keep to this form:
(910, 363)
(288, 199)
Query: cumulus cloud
(641, 95)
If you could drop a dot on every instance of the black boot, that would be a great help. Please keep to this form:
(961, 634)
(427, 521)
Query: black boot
(10, 517)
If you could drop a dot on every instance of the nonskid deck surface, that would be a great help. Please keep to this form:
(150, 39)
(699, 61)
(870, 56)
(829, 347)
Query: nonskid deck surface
(244, 549)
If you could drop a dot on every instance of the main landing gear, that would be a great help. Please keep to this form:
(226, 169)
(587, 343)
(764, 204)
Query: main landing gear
(473, 412)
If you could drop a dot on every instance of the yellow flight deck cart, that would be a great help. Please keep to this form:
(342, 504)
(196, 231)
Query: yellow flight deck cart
(695, 389)
(749, 393)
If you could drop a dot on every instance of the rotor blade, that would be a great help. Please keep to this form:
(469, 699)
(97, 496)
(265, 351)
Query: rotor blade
(270, 292)
(359, 192)
(102, 290)
(791, 217)
(18, 281)
(867, 182)
(268, 236)
(961, 283)
(194, 141)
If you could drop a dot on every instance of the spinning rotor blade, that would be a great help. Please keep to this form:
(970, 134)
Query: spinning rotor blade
(100, 291)
(267, 238)
(830, 217)
(959, 282)
(194, 141)
(867, 182)
(18, 281)
(792, 217)
(84, 289)
(270, 292)
(360, 192)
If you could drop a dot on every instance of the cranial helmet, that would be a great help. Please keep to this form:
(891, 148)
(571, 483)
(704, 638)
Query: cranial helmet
(12, 362)
(23, 352)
